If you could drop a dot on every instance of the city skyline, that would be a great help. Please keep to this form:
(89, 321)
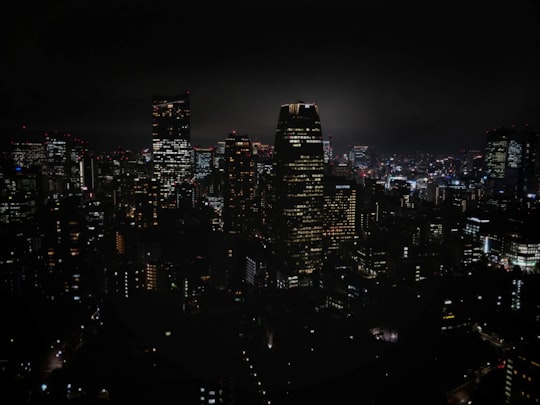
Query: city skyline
(397, 77)
(246, 274)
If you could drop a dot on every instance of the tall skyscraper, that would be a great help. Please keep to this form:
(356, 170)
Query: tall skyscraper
(204, 172)
(203, 162)
(298, 194)
(239, 191)
(171, 143)
(361, 156)
(530, 183)
(28, 154)
(511, 162)
(339, 213)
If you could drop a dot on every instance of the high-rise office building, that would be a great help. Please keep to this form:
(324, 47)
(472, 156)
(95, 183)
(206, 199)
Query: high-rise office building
(204, 162)
(471, 161)
(530, 166)
(171, 143)
(361, 156)
(511, 162)
(204, 173)
(495, 159)
(298, 194)
(327, 150)
(339, 221)
(143, 208)
(522, 377)
(239, 191)
(28, 154)
(263, 174)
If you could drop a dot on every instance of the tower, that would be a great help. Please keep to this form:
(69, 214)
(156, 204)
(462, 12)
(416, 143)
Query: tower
(298, 194)
(171, 143)
(511, 162)
(495, 159)
(239, 192)
(339, 223)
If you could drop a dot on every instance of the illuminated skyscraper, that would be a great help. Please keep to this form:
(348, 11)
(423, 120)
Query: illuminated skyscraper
(204, 162)
(361, 156)
(172, 151)
(495, 160)
(298, 194)
(204, 173)
(530, 184)
(339, 213)
(28, 154)
(511, 162)
(239, 191)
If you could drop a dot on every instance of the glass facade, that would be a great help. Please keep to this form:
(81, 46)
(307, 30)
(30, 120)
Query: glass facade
(172, 151)
(340, 214)
(298, 190)
(239, 191)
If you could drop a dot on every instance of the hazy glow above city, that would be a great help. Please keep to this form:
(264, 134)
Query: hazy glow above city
(399, 77)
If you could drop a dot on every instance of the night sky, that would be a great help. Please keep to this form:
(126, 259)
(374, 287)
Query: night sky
(400, 76)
